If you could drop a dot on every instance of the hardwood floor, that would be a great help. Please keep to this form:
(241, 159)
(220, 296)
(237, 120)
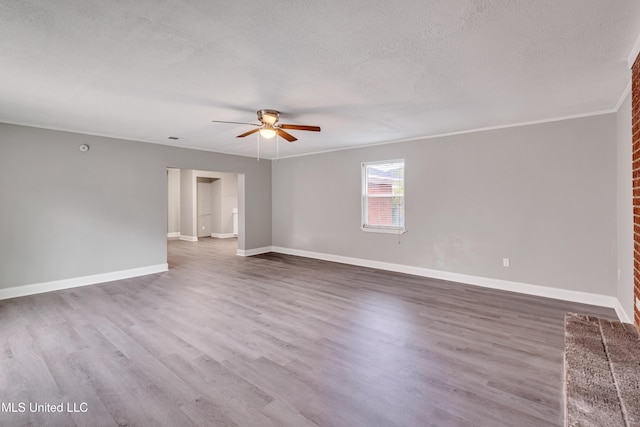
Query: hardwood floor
(276, 340)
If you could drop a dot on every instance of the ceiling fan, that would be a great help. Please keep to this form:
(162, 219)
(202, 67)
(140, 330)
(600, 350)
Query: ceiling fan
(269, 126)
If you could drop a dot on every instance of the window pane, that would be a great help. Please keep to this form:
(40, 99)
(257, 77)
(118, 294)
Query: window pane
(385, 178)
(386, 211)
(384, 194)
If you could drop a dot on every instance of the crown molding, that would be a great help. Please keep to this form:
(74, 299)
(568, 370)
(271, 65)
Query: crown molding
(624, 95)
(462, 132)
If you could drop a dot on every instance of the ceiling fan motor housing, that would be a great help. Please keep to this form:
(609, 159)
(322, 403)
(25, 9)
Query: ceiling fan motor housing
(268, 116)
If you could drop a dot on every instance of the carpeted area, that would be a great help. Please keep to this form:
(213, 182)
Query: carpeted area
(602, 372)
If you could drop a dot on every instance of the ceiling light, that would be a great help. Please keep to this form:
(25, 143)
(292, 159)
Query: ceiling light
(267, 133)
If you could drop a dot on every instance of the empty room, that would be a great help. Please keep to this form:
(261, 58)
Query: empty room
(339, 213)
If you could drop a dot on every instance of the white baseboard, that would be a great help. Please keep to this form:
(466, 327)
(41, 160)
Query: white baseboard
(173, 234)
(223, 235)
(487, 282)
(622, 314)
(256, 251)
(38, 288)
(189, 238)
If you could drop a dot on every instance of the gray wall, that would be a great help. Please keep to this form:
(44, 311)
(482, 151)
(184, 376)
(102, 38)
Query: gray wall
(216, 205)
(229, 202)
(542, 195)
(187, 204)
(173, 200)
(68, 214)
(204, 202)
(625, 208)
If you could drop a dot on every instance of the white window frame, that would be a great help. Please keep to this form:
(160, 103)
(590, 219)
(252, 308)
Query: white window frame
(364, 200)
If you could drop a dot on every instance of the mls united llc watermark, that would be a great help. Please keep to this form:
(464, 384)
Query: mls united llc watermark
(22, 407)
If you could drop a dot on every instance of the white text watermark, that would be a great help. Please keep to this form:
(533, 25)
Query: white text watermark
(43, 407)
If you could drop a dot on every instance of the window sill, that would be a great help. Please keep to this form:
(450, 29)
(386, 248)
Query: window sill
(384, 230)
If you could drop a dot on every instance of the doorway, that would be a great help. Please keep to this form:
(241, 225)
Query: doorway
(205, 205)
(206, 195)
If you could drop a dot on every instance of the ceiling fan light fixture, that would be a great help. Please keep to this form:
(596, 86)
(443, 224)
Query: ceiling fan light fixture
(267, 133)
(269, 126)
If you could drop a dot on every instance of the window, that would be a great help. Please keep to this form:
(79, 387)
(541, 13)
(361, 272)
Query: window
(383, 196)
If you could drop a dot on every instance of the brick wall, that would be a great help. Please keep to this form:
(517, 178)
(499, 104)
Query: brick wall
(635, 123)
(380, 210)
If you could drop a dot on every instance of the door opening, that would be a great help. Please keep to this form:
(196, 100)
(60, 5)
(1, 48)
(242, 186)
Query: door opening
(205, 204)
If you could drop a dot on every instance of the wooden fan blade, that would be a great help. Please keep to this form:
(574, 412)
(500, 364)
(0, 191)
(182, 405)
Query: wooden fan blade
(248, 133)
(301, 127)
(286, 136)
(235, 123)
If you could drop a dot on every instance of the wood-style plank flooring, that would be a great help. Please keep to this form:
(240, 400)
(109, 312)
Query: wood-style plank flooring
(276, 340)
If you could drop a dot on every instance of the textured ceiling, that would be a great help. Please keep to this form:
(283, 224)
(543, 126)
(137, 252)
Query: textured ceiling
(365, 71)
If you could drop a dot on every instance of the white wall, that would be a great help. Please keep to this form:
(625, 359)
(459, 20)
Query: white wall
(71, 216)
(624, 208)
(542, 195)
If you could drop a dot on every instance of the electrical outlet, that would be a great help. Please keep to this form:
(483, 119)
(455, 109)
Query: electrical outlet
(505, 262)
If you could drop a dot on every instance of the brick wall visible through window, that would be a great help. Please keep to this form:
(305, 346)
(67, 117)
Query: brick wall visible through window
(383, 196)
(380, 209)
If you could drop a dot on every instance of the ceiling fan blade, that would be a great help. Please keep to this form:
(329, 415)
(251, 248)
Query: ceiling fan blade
(235, 123)
(248, 133)
(301, 127)
(286, 135)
